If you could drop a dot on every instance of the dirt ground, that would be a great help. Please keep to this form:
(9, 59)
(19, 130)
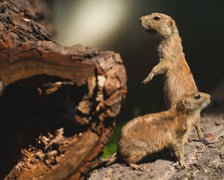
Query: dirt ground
(203, 162)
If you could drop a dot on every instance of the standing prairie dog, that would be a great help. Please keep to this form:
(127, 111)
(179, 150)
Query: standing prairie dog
(172, 63)
(151, 133)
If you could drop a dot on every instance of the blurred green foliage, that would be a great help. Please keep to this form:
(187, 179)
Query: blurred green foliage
(111, 146)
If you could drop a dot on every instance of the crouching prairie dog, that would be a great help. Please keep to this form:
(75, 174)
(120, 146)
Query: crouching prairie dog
(151, 133)
(172, 63)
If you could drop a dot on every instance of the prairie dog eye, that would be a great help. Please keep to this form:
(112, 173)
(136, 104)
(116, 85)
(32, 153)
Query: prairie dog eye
(197, 96)
(156, 18)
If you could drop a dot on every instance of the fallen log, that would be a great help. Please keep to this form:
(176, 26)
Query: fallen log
(58, 104)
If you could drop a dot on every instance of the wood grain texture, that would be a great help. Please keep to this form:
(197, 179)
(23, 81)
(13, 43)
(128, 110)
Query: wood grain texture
(59, 103)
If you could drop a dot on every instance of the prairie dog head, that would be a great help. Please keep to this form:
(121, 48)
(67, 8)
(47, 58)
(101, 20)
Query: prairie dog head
(159, 23)
(194, 102)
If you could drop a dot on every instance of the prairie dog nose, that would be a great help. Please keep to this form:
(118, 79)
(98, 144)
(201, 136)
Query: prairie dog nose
(141, 18)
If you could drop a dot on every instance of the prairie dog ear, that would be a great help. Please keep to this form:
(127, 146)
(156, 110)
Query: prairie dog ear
(186, 104)
(183, 105)
(172, 23)
(172, 26)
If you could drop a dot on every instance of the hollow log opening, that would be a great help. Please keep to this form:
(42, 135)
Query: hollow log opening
(37, 103)
(34, 107)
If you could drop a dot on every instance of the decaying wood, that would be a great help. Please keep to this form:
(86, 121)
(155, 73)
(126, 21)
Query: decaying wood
(58, 104)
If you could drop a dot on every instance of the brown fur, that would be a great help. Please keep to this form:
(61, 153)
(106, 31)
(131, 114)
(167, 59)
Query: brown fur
(153, 132)
(172, 63)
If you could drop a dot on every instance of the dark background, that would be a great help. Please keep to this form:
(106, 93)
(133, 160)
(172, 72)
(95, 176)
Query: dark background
(200, 24)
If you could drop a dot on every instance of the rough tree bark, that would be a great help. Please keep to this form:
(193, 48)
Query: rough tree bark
(59, 103)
